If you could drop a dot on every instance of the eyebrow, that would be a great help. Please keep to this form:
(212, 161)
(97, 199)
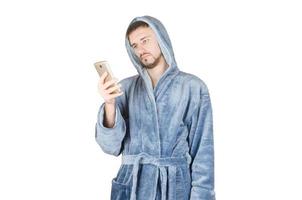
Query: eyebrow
(140, 40)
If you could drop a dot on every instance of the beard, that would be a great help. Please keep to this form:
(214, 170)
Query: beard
(152, 64)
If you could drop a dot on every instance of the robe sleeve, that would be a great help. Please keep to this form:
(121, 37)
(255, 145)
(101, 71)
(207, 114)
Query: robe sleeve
(202, 151)
(110, 139)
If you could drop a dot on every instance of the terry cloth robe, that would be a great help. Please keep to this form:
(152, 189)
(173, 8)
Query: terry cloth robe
(164, 133)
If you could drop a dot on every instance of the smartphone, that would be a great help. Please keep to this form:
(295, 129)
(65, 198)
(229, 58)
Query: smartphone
(103, 66)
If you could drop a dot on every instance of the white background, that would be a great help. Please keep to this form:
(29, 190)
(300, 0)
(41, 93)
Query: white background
(247, 52)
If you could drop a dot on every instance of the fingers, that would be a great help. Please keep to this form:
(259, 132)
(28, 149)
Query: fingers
(111, 96)
(110, 90)
(104, 75)
(109, 83)
(109, 93)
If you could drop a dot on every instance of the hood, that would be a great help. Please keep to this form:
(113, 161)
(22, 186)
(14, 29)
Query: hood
(166, 49)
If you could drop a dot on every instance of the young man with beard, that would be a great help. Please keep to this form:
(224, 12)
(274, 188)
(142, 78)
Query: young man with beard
(161, 122)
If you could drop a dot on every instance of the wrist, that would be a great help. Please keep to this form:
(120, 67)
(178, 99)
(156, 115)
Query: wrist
(109, 104)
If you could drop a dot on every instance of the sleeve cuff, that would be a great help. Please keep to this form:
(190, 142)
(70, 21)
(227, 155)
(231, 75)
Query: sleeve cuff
(198, 193)
(117, 120)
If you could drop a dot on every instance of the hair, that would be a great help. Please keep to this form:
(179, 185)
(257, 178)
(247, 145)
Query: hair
(136, 25)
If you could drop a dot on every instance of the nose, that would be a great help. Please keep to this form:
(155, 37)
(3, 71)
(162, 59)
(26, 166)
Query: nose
(140, 50)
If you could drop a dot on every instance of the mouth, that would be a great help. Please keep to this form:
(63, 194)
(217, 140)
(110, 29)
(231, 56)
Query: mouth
(145, 55)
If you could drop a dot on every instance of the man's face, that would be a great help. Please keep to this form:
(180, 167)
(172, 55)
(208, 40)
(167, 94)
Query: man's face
(144, 43)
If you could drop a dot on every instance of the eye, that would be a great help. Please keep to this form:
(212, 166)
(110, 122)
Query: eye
(145, 41)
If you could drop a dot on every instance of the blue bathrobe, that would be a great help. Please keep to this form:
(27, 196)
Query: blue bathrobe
(165, 133)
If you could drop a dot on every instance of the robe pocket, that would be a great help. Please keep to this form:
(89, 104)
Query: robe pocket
(119, 191)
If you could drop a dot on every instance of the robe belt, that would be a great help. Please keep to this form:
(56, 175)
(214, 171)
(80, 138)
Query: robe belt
(161, 164)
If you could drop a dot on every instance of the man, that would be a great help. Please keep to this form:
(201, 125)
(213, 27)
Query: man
(161, 122)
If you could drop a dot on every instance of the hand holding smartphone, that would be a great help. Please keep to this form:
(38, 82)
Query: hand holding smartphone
(108, 86)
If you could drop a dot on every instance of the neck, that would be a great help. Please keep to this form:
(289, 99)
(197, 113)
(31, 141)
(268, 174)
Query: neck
(156, 72)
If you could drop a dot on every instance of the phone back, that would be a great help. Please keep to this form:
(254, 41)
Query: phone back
(101, 67)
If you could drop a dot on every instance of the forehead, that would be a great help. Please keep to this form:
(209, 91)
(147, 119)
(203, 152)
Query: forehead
(139, 33)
